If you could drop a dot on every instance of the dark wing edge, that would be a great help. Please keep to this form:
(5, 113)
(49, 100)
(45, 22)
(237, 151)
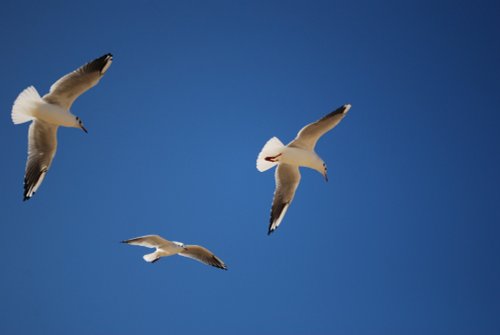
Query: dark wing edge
(98, 64)
(309, 135)
(203, 255)
(287, 180)
(148, 241)
(69, 87)
(42, 146)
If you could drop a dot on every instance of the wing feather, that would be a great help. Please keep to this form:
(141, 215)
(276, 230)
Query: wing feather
(203, 255)
(42, 146)
(287, 180)
(148, 241)
(309, 135)
(64, 91)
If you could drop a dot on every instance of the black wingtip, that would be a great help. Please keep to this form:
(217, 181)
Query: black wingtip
(270, 229)
(100, 64)
(341, 110)
(27, 197)
(221, 266)
(216, 262)
(107, 55)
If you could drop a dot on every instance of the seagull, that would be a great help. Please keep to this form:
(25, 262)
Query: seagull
(299, 152)
(48, 113)
(169, 248)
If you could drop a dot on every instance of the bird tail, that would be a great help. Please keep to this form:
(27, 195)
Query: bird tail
(25, 105)
(151, 258)
(272, 148)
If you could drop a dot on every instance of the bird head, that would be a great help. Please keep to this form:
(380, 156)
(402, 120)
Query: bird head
(79, 124)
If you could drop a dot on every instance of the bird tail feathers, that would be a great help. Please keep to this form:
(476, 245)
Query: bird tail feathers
(152, 257)
(272, 148)
(25, 105)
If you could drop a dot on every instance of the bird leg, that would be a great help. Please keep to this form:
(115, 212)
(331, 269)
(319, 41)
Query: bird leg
(272, 158)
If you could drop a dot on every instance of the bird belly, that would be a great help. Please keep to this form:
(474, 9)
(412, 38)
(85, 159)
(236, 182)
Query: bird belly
(55, 115)
(300, 157)
(169, 250)
(165, 253)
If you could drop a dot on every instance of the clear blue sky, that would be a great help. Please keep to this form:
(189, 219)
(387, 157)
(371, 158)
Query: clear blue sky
(403, 239)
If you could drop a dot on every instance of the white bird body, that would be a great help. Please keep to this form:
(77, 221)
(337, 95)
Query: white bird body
(299, 152)
(166, 249)
(301, 157)
(275, 152)
(34, 106)
(56, 115)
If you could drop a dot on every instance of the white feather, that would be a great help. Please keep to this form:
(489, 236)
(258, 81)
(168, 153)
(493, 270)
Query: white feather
(25, 106)
(150, 257)
(272, 148)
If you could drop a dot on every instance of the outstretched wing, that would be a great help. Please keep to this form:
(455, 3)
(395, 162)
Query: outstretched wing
(287, 179)
(203, 255)
(64, 91)
(309, 135)
(42, 145)
(148, 241)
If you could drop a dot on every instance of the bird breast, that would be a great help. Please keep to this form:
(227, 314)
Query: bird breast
(55, 115)
(301, 157)
(166, 251)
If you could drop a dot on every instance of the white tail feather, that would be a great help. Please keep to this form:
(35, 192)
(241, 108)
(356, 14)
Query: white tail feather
(151, 257)
(272, 147)
(25, 105)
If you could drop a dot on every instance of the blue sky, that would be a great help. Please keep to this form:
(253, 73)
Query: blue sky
(403, 239)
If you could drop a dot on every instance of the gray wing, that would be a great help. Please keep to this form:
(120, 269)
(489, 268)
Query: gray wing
(64, 91)
(287, 179)
(42, 145)
(203, 255)
(148, 241)
(309, 135)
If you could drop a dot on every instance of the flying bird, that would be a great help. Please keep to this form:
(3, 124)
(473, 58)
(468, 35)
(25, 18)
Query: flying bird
(168, 248)
(299, 152)
(48, 113)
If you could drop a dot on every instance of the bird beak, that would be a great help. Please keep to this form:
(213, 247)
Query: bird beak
(326, 176)
(85, 130)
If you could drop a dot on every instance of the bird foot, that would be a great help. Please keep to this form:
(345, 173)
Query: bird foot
(273, 159)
